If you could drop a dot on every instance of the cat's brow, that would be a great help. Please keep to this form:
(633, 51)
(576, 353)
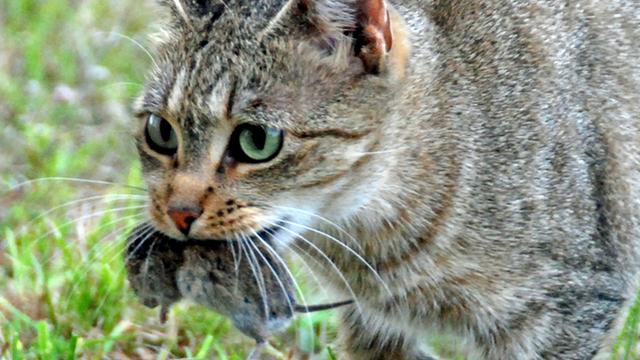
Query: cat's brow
(334, 132)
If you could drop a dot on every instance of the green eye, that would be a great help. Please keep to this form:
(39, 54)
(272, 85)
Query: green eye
(160, 135)
(254, 144)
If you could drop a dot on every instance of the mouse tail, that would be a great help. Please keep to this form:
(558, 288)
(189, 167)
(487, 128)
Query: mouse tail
(320, 307)
(164, 313)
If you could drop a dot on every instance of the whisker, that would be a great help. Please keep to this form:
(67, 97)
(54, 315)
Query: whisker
(346, 247)
(85, 217)
(87, 264)
(134, 41)
(236, 263)
(338, 227)
(273, 271)
(315, 278)
(286, 268)
(333, 265)
(97, 250)
(255, 269)
(148, 229)
(304, 262)
(240, 251)
(99, 246)
(149, 232)
(72, 179)
(145, 267)
(102, 226)
(107, 198)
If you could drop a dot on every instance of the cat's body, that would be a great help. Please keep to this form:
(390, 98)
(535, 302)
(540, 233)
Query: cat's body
(517, 227)
(487, 163)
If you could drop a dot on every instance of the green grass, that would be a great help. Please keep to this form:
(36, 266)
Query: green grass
(68, 75)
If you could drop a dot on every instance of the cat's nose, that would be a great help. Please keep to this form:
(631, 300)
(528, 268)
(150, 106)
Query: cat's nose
(183, 217)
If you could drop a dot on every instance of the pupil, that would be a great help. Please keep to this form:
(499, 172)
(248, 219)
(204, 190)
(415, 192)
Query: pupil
(165, 130)
(259, 137)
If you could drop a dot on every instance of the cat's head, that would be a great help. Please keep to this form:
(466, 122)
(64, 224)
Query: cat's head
(261, 114)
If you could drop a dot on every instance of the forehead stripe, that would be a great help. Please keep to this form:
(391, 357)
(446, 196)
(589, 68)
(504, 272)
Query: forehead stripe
(177, 92)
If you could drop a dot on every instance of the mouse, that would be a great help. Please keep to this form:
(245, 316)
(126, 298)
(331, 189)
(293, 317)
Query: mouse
(151, 262)
(216, 274)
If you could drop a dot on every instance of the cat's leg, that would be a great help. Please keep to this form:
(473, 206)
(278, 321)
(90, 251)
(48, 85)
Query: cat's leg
(361, 340)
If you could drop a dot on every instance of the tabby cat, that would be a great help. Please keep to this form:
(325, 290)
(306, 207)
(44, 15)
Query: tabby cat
(457, 166)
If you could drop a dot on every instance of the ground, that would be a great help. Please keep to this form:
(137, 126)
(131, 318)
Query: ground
(69, 71)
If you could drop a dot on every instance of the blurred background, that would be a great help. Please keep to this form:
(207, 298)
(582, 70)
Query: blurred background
(69, 71)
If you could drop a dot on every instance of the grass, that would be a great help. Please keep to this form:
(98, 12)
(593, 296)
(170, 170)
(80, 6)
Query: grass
(69, 71)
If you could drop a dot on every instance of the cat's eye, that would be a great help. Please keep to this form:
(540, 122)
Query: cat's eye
(161, 136)
(254, 143)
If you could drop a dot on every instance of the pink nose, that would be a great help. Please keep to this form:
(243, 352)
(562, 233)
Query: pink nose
(183, 217)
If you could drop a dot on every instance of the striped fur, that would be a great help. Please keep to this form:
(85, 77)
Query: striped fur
(489, 172)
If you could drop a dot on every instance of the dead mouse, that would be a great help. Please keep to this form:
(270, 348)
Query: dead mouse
(152, 260)
(254, 291)
(219, 275)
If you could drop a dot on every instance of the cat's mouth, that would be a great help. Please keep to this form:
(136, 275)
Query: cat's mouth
(267, 234)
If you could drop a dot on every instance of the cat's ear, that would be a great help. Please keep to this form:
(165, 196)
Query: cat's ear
(366, 22)
(373, 37)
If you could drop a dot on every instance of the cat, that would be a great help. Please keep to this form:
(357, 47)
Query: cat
(460, 167)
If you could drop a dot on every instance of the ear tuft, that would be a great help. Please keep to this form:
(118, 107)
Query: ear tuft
(373, 34)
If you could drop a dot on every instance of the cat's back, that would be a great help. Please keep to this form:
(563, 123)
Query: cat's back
(543, 98)
(526, 76)
(535, 109)
(512, 46)
(506, 48)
